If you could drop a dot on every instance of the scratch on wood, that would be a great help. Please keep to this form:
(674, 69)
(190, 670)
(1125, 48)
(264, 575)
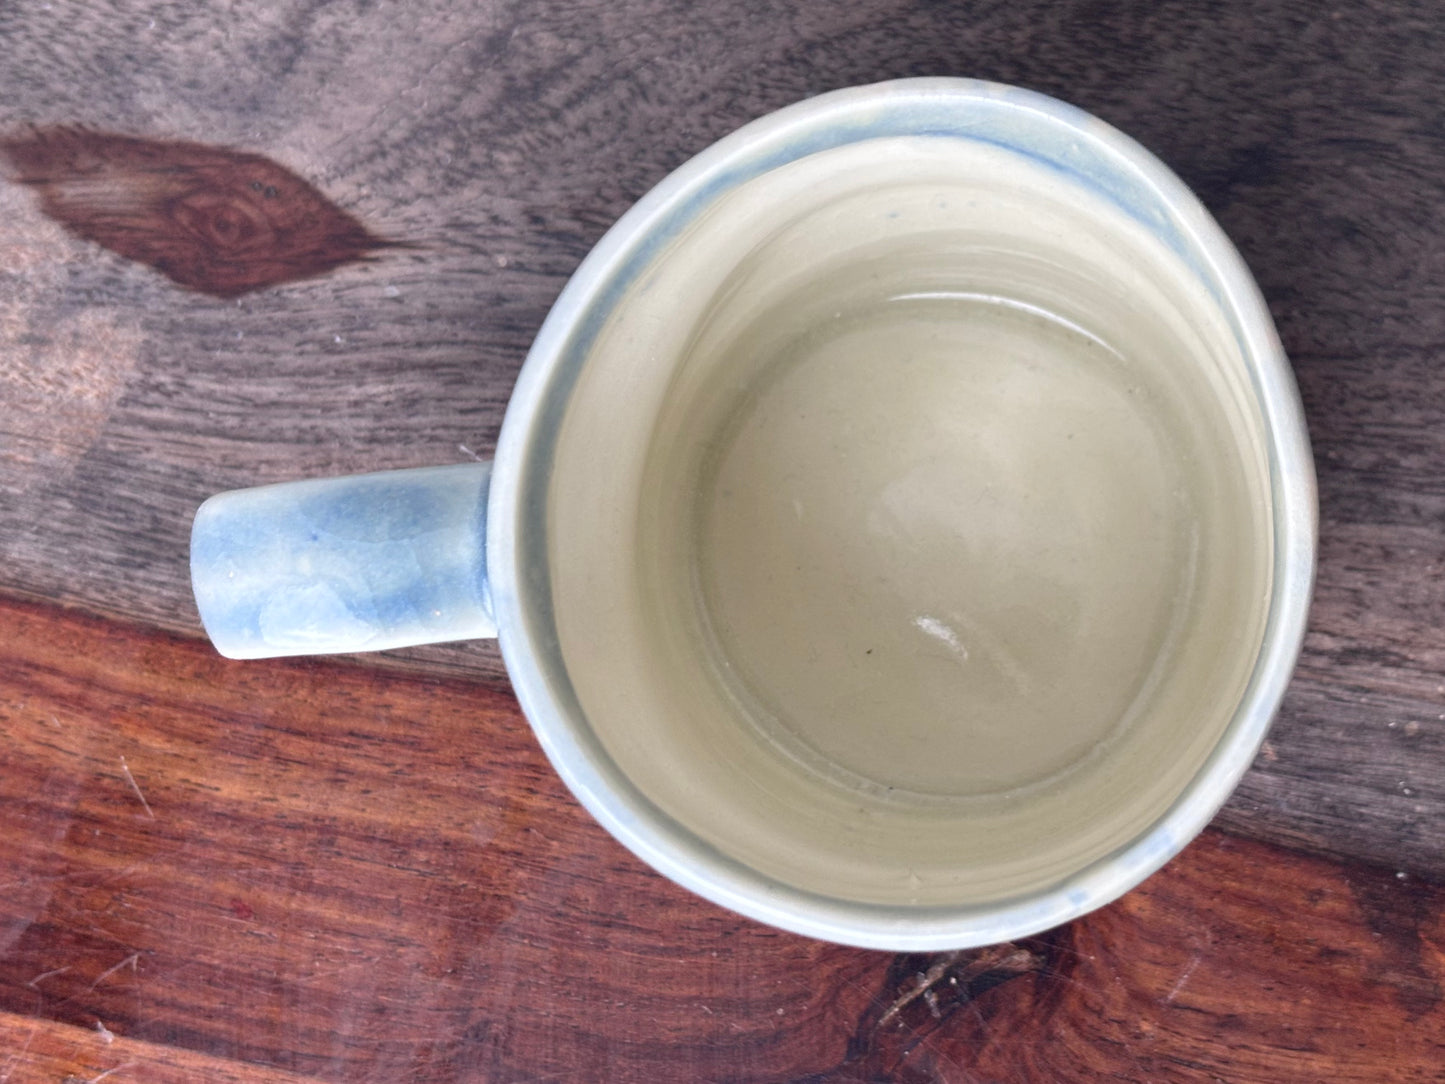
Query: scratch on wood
(116, 1069)
(135, 787)
(922, 983)
(34, 983)
(931, 1000)
(1183, 978)
(73, 1079)
(129, 961)
(1005, 959)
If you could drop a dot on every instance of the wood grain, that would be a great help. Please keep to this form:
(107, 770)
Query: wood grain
(367, 876)
(363, 870)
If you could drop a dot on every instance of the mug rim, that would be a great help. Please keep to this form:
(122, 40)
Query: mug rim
(518, 494)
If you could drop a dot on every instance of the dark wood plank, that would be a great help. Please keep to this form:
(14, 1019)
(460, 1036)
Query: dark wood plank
(227, 871)
(501, 138)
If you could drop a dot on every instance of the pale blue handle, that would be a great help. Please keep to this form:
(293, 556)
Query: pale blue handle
(362, 563)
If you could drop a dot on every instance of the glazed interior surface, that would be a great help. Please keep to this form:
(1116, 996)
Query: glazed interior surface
(909, 525)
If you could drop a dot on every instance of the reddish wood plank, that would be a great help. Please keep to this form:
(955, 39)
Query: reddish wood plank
(333, 872)
(33, 1049)
(314, 868)
(1238, 963)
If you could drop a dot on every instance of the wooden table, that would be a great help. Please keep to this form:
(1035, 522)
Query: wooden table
(363, 869)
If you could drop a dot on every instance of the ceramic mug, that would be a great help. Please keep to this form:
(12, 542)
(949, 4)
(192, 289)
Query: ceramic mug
(901, 531)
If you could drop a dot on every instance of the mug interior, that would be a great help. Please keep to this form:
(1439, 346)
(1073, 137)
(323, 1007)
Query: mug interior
(903, 517)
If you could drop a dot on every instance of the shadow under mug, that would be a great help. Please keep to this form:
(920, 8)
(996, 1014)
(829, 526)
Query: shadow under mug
(901, 532)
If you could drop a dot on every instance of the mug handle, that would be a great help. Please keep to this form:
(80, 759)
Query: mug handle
(361, 563)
